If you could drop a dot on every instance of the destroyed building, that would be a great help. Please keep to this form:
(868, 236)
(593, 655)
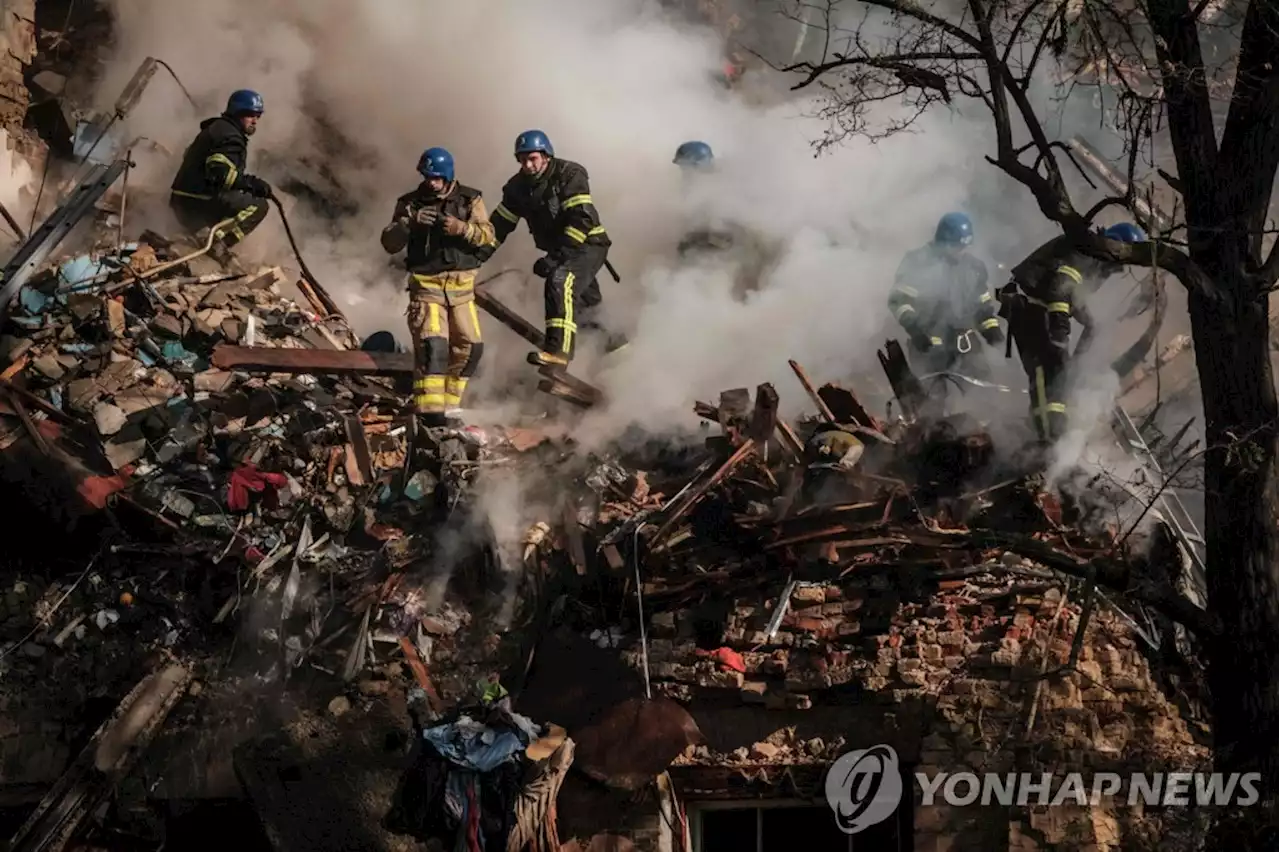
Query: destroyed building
(249, 587)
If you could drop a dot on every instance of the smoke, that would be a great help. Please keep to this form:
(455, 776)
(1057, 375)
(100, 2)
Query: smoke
(617, 87)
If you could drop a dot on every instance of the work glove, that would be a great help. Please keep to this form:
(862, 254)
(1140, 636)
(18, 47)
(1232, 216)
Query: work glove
(426, 216)
(454, 226)
(993, 336)
(256, 186)
(921, 341)
(247, 478)
(543, 267)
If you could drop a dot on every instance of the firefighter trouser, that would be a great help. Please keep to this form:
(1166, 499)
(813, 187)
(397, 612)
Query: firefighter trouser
(245, 211)
(572, 297)
(446, 347)
(1045, 363)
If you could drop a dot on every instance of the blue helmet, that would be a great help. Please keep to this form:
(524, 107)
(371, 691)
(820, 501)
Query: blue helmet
(954, 229)
(1125, 232)
(693, 154)
(436, 162)
(534, 140)
(244, 102)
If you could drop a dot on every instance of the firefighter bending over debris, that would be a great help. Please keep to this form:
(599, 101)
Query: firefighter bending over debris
(1039, 304)
(212, 188)
(553, 196)
(940, 298)
(446, 233)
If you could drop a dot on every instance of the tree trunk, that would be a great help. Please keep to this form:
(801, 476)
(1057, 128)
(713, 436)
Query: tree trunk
(1238, 385)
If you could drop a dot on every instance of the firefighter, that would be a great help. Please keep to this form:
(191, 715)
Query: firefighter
(212, 188)
(694, 159)
(720, 240)
(445, 232)
(1039, 304)
(553, 196)
(940, 298)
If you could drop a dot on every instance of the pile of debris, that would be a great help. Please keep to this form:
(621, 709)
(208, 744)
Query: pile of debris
(239, 436)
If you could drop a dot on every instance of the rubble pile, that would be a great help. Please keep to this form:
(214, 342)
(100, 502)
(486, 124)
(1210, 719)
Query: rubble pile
(843, 565)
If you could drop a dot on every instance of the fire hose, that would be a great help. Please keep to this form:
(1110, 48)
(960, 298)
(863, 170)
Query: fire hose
(330, 306)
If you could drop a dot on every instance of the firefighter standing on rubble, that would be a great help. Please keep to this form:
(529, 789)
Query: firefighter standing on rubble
(940, 298)
(1040, 301)
(553, 196)
(212, 188)
(445, 231)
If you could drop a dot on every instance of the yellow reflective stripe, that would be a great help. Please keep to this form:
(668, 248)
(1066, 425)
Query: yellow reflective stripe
(576, 201)
(569, 327)
(905, 309)
(1072, 273)
(1058, 308)
(475, 324)
(433, 319)
(991, 323)
(182, 194)
(1038, 410)
(936, 341)
(232, 171)
(506, 214)
(598, 229)
(559, 323)
(1056, 408)
(910, 292)
(574, 234)
(985, 297)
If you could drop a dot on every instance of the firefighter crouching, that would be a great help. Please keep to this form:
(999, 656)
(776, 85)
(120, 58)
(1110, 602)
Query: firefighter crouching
(1039, 303)
(212, 188)
(940, 298)
(553, 197)
(445, 232)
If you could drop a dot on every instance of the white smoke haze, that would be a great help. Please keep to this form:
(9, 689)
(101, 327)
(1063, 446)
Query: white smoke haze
(617, 87)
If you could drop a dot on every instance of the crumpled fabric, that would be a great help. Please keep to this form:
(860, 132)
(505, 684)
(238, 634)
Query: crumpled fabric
(248, 478)
(470, 745)
(728, 659)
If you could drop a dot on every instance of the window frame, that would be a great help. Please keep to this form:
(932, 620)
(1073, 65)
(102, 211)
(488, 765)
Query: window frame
(695, 810)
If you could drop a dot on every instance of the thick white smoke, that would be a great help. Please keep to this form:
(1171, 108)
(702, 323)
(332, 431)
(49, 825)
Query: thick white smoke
(617, 87)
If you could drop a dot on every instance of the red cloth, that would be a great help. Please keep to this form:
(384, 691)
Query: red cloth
(248, 478)
(729, 659)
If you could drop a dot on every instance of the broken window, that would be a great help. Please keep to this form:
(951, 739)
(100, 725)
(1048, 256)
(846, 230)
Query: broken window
(787, 827)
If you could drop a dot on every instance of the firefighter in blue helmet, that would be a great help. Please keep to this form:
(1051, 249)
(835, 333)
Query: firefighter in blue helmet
(553, 197)
(941, 299)
(1046, 292)
(711, 238)
(212, 188)
(444, 230)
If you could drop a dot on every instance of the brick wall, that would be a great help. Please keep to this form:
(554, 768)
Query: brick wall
(949, 678)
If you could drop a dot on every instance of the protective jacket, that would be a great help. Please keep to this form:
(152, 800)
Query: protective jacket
(214, 163)
(429, 251)
(557, 207)
(441, 265)
(942, 297)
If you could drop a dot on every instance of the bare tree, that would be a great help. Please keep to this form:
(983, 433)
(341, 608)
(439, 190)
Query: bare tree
(1192, 79)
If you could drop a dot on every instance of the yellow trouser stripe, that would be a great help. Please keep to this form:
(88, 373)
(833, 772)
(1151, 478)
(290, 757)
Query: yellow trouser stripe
(233, 224)
(569, 327)
(506, 214)
(905, 309)
(936, 341)
(985, 297)
(433, 319)
(1058, 308)
(991, 323)
(475, 322)
(574, 234)
(576, 201)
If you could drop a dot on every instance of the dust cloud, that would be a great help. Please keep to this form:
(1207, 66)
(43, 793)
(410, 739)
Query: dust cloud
(617, 87)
